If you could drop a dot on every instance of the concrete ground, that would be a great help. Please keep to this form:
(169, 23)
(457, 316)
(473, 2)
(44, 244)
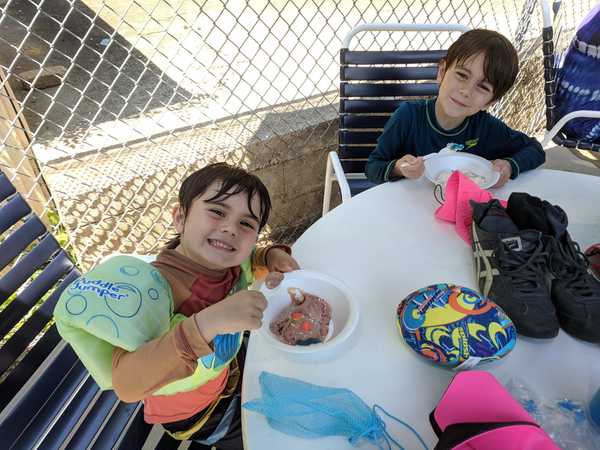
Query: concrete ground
(581, 161)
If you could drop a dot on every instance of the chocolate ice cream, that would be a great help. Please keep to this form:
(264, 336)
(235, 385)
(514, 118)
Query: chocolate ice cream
(305, 321)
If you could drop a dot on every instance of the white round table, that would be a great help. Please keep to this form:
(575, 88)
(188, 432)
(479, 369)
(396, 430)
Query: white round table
(384, 244)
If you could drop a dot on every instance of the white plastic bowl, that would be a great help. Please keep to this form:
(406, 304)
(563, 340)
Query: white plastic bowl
(465, 162)
(344, 309)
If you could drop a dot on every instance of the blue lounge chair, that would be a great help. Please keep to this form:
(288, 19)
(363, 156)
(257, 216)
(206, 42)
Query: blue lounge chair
(47, 398)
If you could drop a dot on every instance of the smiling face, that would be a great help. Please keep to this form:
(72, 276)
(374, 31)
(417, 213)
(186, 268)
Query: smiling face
(218, 233)
(464, 91)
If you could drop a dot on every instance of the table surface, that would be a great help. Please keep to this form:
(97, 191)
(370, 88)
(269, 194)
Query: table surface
(384, 244)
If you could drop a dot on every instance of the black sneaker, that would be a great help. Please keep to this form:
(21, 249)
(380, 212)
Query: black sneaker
(510, 267)
(575, 291)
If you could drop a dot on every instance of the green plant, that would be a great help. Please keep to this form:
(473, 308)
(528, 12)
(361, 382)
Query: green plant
(60, 234)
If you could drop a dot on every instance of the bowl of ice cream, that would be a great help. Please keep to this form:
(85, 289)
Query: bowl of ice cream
(439, 167)
(308, 312)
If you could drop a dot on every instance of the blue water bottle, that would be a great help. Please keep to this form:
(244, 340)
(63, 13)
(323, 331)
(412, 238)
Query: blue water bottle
(595, 410)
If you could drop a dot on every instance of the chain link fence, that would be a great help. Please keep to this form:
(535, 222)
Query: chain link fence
(107, 105)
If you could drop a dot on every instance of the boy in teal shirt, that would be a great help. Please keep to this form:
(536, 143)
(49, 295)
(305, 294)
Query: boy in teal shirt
(480, 67)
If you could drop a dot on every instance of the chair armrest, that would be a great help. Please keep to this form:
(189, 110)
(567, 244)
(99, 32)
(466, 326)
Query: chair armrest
(340, 176)
(561, 123)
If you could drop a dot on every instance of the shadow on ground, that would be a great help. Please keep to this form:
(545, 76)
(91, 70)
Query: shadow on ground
(107, 78)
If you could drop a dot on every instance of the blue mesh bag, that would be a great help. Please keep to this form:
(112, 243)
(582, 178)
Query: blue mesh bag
(307, 410)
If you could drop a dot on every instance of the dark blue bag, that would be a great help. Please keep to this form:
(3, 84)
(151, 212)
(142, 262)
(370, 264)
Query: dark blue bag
(578, 81)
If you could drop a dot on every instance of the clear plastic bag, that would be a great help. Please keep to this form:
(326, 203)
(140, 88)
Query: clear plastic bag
(565, 420)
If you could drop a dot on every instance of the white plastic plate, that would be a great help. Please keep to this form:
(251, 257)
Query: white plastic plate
(437, 166)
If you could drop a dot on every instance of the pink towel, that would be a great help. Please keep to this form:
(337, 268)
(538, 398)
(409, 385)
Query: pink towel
(456, 209)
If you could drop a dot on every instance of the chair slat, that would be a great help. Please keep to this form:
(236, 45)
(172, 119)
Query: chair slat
(358, 137)
(359, 151)
(28, 265)
(13, 211)
(6, 187)
(18, 241)
(362, 122)
(26, 299)
(392, 57)
(358, 186)
(368, 106)
(42, 418)
(353, 165)
(116, 426)
(140, 429)
(65, 363)
(68, 418)
(90, 426)
(388, 89)
(59, 265)
(388, 73)
(15, 346)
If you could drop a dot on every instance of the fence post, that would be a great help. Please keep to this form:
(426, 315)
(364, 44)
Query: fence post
(16, 157)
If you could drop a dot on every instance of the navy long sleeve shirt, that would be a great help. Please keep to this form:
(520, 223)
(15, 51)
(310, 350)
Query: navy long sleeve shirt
(413, 129)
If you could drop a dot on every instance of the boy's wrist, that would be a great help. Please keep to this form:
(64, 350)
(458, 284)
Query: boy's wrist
(393, 172)
(514, 168)
(203, 323)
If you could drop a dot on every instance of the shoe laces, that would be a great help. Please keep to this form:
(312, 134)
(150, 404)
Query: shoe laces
(571, 266)
(526, 270)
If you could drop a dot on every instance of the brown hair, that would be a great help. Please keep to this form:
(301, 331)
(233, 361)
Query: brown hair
(501, 63)
(233, 181)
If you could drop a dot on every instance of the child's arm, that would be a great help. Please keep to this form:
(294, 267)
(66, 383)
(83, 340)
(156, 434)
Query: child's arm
(381, 166)
(136, 375)
(522, 152)
(171, 357)
(261, 253)
(276, 258)
(270, 263)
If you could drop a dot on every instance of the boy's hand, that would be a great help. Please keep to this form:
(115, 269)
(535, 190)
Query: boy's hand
(502, 166)
(279, 260)
(410, 166)
(238, 312)
(273, 279)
